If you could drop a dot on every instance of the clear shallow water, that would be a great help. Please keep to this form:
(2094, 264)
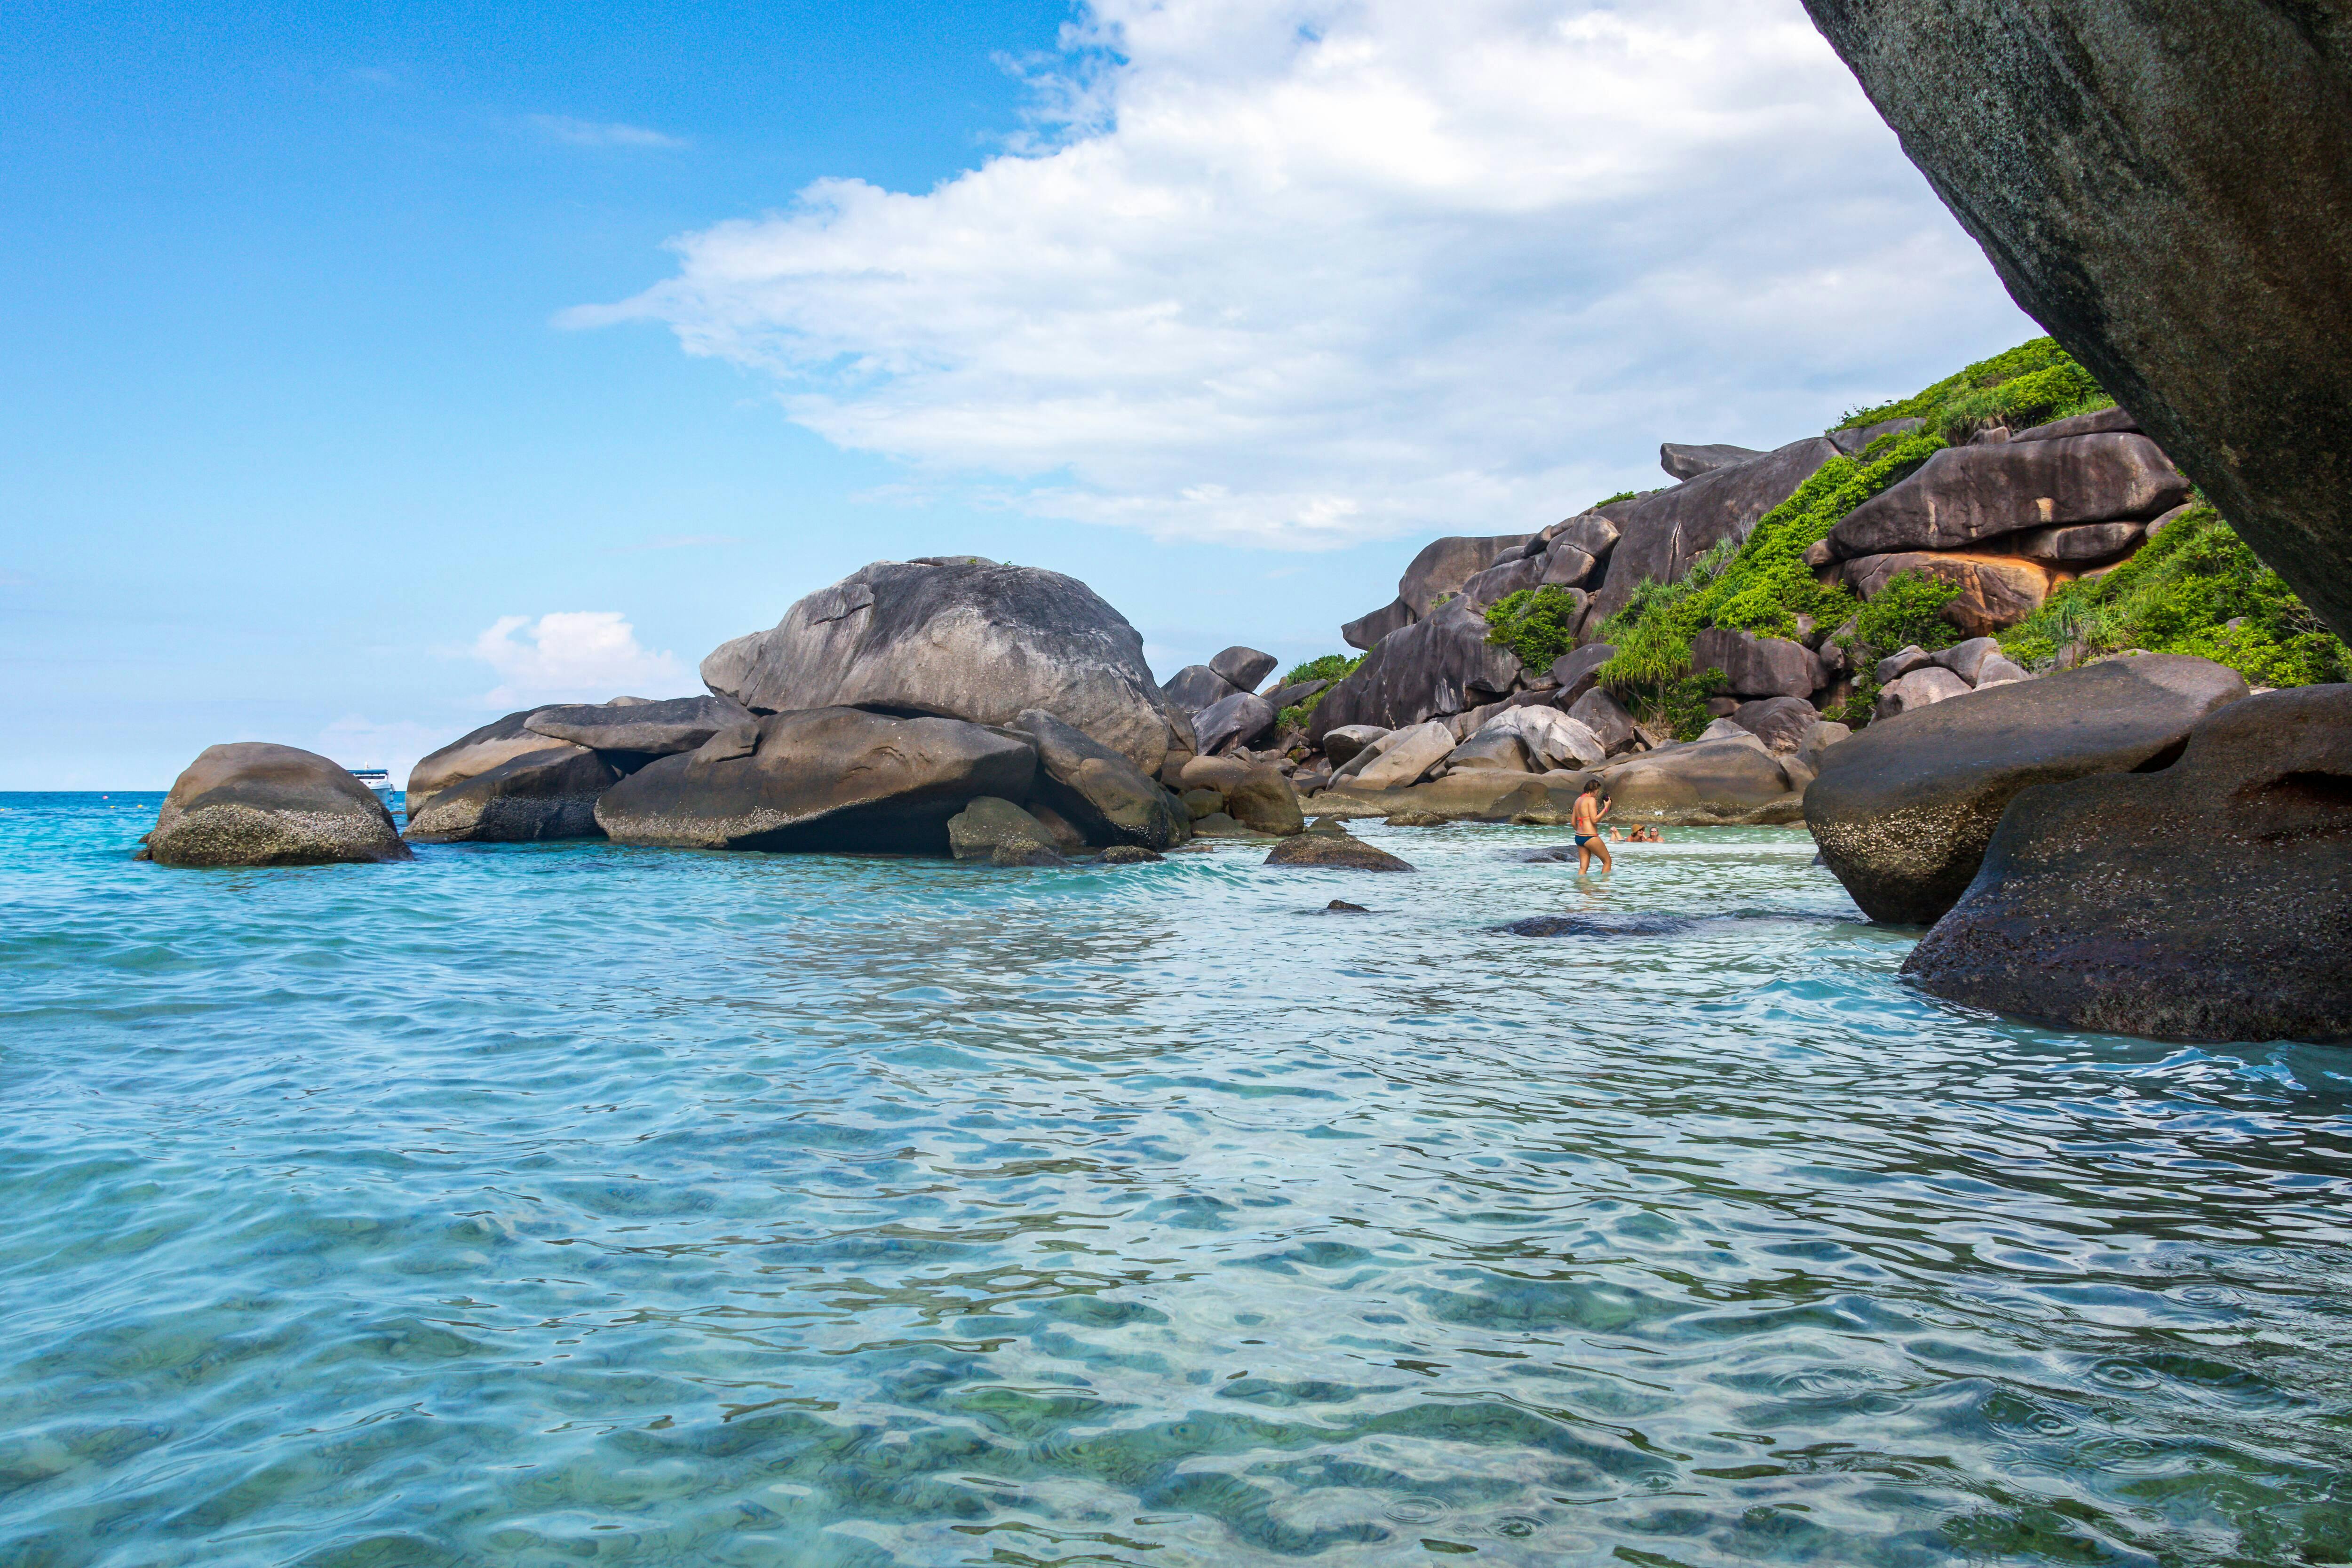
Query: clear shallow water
(552, 1204)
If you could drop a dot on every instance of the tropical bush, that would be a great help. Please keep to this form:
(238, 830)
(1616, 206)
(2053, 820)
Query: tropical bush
(1536, 624)
(2032, 383)
(1909, 610)
(1334, 667)
(2195, 588)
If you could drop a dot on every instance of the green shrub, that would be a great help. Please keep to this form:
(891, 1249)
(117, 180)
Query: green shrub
(1331, 666)
(2179, 594)
(2023, 363)
(1612, 501)
(1536, 624)
(1909, 610)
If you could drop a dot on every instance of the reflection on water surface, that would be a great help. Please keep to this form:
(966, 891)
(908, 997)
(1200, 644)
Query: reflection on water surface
(557, 1203)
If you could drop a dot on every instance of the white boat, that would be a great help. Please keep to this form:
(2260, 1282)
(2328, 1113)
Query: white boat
(376, 778)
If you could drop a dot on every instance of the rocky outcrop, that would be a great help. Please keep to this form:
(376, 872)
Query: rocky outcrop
(1606, 718)
(1902, 810)
(1003, 834)
(1340, 745)
(1550, 738)
(1965, 495)
(2207, 900)
(1854, 439)
(1659, 535)
(1758, 666)
(1441, 665)
(1108, 799)
(1366, 631)
(1577, 672)
(2162, 186)
(1340, 850)
(1241, 720)
(1734, 780)
(254, 803)
(473, 753)
(1995, 590)
(822, 779)
(1444, 564)
(961, 639)
(548, 793)
(2098, 422)
(1928, 684)
(1297, 691)
(1196, 687)
(639, 727)
(1780, 723)
(1689, 462)
(1400, 758)
(1509, 577)
(1243, 667)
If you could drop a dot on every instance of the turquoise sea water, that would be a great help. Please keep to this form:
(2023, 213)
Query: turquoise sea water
(568, 1203)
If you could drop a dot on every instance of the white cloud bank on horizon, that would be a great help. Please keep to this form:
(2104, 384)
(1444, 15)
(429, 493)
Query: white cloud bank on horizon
(1306, 273)
(572, 656)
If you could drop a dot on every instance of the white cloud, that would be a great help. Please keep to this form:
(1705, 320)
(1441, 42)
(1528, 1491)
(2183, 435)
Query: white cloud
(572, 656)
(593, 133)
(1311, 271)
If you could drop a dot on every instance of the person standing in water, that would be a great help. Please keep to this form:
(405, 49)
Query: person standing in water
(1590, 809)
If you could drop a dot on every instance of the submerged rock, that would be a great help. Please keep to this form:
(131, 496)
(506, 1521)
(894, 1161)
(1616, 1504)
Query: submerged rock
(2209, 900)
(999, 832)
(254, 803)
(821, 779)
(1902, 810)
(1128, 855)
(958, 638)
(1342, 851)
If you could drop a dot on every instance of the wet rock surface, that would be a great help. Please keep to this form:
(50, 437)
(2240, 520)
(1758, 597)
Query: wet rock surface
(549, 793)
(2209, 900)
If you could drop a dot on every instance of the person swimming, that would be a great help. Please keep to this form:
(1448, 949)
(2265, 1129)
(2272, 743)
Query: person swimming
(1591, 807)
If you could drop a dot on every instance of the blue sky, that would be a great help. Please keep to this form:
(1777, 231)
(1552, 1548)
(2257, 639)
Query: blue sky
(370, 369)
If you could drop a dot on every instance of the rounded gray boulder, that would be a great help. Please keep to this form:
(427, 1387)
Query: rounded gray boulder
(254, 803)
(1902, 810)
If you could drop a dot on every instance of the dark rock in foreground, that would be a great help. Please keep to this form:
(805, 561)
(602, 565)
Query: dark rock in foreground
(1102, 794)
(1340, 850)
(960, 638)
(1903, 809)
(1001, 833)
(253, 804)
(819, 779)
(2163, 185)
(647, 729)
(2212, 900)
(547, 794)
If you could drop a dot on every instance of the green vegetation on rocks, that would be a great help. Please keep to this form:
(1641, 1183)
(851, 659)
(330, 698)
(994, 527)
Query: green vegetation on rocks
(1908, 612)
(2195, 588)
(1538, 625)
(1334, 667)
(2032, 383)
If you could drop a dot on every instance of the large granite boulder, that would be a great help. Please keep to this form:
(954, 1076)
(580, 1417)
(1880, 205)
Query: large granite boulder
(1579, 671)
(254, 803)
(474, 752)
(958, 638)
(1731, 780)
(1660, 533)
(1902, 810)
(1606, 718)
(1400, 758)
(1443, 664)
(1689, 462)
(2098, 422)
(1780, 723)
(1001, 834)
(1294, 693)
(1929, 684)
(1965, 494)
(1241, 720)
(1196, 687)
(1758, 666)
(1854, 439)
(2209, 900)
(1483, 588)
(1366, 631)
(1995, 590)
(1263, 801)
(1587, 532)
(1243, 667)
(822, 779)
(637, 726)
(1342, 744)
(548, 793)
(2162, 187)
(1444, 564)
(1492, 748)
(1552, 738)
(1107, 797)
(2073, 545)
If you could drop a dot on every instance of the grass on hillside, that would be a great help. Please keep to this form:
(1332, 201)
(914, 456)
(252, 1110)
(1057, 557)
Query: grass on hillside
(1334, 667)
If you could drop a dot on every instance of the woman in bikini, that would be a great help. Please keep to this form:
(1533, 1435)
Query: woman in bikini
(1591, 807)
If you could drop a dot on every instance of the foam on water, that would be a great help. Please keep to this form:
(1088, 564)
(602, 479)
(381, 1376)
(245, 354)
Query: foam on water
(548, 1204)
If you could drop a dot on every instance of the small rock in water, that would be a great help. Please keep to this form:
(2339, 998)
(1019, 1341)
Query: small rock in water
(1128, 855)
(1342, 906)
(1418, 818)
(1337, 849)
